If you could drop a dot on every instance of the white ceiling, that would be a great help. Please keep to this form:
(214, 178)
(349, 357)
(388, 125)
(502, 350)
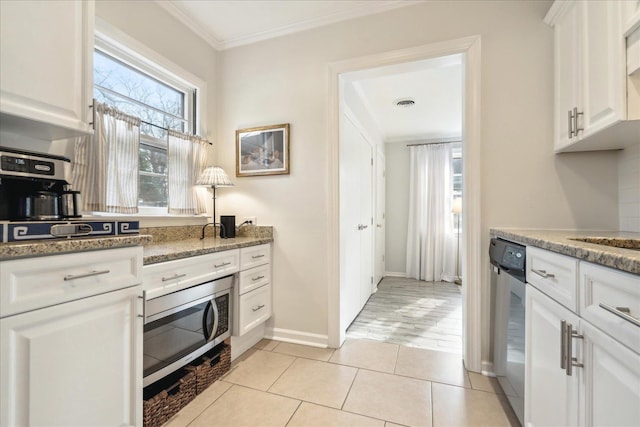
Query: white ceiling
(436, 87)
(225, 24)
(435, 84)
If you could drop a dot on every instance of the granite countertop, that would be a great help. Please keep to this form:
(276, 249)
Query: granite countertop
(561, 241)
(167, 251)
(58, 246)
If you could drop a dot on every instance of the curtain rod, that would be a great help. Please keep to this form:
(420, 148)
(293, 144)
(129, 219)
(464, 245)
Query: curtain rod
(164, 128)
(433, 143)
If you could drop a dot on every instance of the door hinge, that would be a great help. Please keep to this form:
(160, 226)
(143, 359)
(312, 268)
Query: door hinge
(372, 161)
(372, 280)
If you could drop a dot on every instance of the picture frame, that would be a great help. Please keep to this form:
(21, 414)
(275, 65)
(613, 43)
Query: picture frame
(262, 150)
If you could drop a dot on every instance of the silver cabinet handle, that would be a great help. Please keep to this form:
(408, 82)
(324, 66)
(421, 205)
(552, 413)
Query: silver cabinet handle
(622, 312)
(257, 307)
(543, 273)
(570, 360)
(257, 256)
(576, 129)
(222, 265)
(82, 276)
(570, 124)
(174, 277)
(563, 344)
(257, 278)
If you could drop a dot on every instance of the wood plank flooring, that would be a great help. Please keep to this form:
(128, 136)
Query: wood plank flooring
(413, 313)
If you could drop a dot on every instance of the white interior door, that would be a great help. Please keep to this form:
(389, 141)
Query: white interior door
(349, 220)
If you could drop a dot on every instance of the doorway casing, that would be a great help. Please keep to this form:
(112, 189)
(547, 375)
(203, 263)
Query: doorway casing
(471, 239)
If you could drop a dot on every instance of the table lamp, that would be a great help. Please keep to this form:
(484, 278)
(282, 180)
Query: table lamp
(215, 177)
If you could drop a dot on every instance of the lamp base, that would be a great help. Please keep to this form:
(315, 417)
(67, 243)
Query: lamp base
(214, 231)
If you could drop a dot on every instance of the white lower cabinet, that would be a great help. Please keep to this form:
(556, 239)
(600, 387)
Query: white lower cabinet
(252, 296)
(610, 395)
(602, 385)
(551, 397)
(76, 363)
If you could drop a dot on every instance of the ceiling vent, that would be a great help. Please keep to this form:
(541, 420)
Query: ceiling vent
(405, 103)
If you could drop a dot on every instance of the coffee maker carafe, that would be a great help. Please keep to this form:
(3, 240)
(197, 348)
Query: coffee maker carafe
(36, 187)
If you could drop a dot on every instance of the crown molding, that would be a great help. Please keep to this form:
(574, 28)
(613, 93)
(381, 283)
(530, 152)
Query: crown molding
(218, 43)
(199, 30)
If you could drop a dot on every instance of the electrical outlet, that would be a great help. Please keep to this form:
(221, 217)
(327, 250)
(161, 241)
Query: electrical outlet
(253, 220)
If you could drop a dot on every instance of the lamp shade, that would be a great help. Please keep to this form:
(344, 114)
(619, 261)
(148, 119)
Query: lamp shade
(214, 176)
(457, 206)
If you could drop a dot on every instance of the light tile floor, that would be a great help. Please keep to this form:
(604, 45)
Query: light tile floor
(363, 383)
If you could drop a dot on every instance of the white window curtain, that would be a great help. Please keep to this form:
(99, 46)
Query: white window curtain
(105, 169)
(187, 158)
(430, 234)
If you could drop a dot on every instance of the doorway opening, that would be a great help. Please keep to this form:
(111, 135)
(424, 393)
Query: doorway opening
(409, 119)
(469, 48)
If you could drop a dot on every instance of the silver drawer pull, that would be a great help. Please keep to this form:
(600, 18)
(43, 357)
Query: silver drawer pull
(82, 276)
(622, 312)
(542, 273)
(222, 265)
(257, 307)
(257, 256)
(257, 278)
(174, 277)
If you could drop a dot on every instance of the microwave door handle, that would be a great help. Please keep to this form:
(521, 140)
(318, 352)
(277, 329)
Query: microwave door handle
(205, 327)
(210, 335)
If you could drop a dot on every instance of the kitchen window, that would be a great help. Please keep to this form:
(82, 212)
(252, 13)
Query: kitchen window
(130, 82)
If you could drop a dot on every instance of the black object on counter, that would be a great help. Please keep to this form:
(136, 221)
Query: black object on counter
(228, 229)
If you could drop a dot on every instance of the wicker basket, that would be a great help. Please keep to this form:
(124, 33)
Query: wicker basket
(215, 365)
(167, 403)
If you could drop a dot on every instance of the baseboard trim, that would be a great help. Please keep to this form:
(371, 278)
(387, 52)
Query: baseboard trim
(395, 274)
(297, 337)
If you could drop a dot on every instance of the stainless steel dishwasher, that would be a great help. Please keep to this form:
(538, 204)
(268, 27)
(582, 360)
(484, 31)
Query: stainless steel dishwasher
(508, 276)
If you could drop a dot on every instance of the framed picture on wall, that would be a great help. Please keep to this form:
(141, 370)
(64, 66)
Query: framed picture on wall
(262, 151)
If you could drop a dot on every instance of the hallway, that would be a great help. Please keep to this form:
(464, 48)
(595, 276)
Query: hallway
(413, 313)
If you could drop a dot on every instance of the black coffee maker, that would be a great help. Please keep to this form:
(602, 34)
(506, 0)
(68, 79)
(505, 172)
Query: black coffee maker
(36, 187)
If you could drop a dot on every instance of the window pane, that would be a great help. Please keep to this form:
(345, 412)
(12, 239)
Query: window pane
(153, 159)
(153, 191)
(118, 77)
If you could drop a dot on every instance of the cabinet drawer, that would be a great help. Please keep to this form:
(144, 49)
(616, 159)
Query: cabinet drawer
(253, 308)
(32, 283)
(254, 278)
(171, 276)
(555, 275)
(613, 288)
(254, 256)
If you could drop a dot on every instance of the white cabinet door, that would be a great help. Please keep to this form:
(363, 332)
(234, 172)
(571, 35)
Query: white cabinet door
(47, 67)
(611, 393)
(567, 72)
(604, 62)
(551, 397)
(77, 363)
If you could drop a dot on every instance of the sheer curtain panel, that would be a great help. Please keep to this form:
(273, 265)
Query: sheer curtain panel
(430, 234)
(187, 158)
(105, 168)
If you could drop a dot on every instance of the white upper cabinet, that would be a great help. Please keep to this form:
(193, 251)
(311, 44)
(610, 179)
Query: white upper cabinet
(591, 96)
(47, 68)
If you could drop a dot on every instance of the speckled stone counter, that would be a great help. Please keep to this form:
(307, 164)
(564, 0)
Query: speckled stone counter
(58, 246)
(560, 241)
(167, 251)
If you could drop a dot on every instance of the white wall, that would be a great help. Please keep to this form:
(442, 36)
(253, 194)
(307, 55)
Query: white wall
(629, 188)
(397, 207)
(523, 183)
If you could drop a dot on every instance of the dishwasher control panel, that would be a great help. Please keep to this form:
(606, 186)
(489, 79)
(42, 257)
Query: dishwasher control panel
(508, 256)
